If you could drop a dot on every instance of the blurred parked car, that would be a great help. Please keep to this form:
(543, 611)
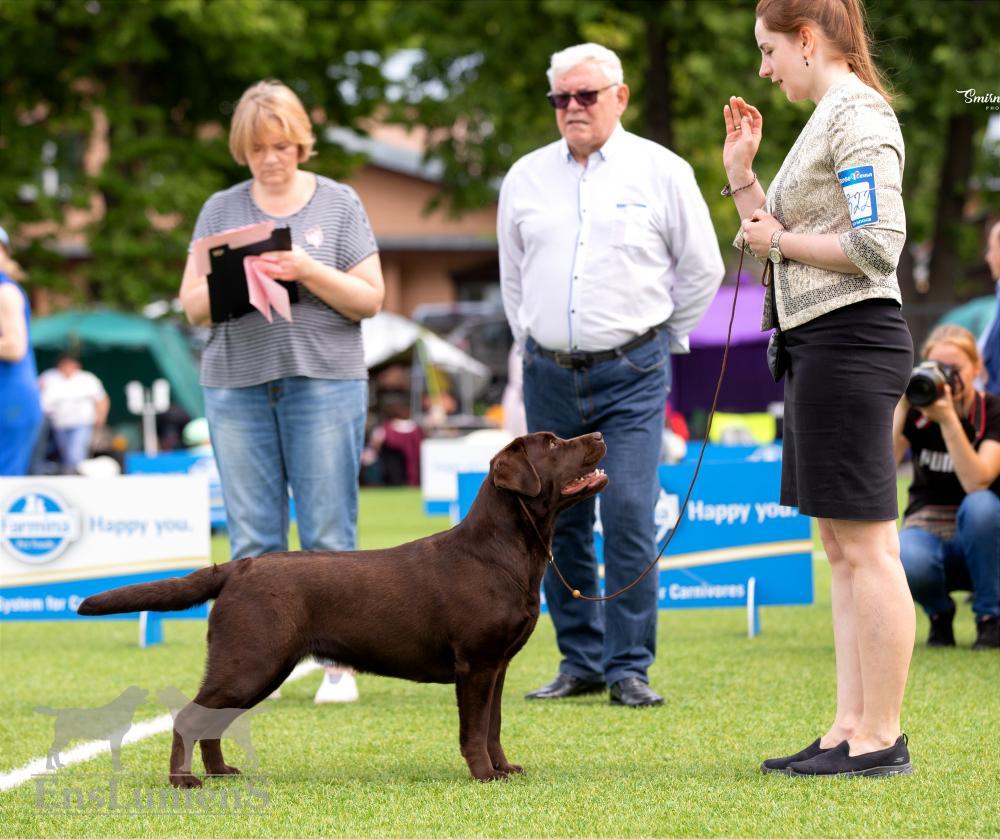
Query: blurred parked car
(478, 328)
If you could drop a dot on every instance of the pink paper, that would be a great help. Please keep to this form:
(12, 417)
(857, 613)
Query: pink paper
(237, 237)
(265, 292)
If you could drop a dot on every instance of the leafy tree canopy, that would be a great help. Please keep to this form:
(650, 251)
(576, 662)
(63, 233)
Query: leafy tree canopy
(160, 78)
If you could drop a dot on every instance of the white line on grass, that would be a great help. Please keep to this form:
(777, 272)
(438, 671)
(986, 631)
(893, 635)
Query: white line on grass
(139, 731)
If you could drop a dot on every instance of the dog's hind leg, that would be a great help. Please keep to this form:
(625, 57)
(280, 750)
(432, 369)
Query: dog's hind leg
(497, 756)
(474, 687)
(242, 691)
(182, 749)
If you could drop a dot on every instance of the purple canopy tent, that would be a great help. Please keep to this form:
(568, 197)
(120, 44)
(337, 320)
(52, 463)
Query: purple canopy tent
(748, 385)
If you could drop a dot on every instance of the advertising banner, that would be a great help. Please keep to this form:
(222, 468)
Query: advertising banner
(64, 538)
(733, 531)
(441, 461)
(184, 463)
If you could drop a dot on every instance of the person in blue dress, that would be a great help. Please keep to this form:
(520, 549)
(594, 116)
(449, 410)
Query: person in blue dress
(20, 408)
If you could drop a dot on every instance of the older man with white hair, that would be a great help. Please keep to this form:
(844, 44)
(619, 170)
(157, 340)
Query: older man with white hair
(608, 260)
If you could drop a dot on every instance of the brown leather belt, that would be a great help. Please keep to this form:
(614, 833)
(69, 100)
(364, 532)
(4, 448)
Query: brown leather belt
(581, 358)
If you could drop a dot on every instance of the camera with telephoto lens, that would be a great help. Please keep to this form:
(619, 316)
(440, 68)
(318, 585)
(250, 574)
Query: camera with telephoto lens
(927, 383)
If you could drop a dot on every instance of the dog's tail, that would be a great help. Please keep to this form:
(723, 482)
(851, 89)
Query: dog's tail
(160, 596)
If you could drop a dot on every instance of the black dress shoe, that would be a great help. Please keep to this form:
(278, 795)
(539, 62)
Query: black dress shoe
(942, 632)
(780, 764)
(987, 634)
(565, 685)
(635, 693)
(838, 762)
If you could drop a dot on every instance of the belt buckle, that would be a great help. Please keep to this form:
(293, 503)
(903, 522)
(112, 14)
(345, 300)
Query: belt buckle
(562, 359)
(571, 360)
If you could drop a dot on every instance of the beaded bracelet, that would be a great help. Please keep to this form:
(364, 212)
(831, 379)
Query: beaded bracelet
(728, 190)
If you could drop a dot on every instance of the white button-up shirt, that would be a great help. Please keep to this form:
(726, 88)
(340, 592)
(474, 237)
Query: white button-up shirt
(594, 256)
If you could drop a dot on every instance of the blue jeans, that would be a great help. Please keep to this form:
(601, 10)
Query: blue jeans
(74, 445)
(969, 561)
(295, 432)
(624, 399)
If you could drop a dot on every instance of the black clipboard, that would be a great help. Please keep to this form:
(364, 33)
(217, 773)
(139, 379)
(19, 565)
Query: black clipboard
(227, 284)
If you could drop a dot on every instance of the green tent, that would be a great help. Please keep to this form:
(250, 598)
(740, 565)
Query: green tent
(974, 315)
(119, 348)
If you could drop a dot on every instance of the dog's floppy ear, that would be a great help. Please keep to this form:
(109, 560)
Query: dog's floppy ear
(512, 470)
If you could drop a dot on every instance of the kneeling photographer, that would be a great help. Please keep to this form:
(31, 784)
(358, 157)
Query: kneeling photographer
(951, 529)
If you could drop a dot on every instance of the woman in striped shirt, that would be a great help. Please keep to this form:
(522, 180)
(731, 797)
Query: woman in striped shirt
(286, 400)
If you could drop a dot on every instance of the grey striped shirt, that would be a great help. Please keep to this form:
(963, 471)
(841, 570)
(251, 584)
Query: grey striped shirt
(320, 343)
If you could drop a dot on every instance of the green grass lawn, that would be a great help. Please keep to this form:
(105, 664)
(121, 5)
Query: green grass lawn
(389, 764)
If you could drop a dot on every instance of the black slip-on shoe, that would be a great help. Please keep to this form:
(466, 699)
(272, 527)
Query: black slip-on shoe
(942, 632)
(565, 685)
(987, 634)
(838, 762)
(781, 764)
(634, 693)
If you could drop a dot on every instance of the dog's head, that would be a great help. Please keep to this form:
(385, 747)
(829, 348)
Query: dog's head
(545, 467)
(133, 695)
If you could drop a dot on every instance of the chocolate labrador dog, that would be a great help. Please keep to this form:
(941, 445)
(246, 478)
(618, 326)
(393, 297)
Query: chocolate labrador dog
(453, 607)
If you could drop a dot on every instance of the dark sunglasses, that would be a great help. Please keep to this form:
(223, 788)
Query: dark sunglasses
(584, 98)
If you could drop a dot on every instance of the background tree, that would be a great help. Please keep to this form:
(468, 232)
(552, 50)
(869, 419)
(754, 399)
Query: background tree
(160, 78)
(683, 59)
(151, 85)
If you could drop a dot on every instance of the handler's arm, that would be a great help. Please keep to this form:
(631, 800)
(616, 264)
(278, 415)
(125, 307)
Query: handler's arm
(356, 293)
(194, 295)
(698, 266)
(13, 330)
(823, 250)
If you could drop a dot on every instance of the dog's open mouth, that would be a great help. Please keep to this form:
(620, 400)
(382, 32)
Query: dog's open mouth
(598, 478)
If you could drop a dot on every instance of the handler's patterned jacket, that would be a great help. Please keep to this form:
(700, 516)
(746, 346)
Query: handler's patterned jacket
(843, 175)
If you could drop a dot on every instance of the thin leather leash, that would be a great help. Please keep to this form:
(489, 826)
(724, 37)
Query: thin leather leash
(680, 515)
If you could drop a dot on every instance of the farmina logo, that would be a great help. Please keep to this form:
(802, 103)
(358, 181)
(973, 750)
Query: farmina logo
(972, 97)
(35, 527)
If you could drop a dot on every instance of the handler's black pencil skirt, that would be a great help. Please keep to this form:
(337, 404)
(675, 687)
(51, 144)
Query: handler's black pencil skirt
(847, 371)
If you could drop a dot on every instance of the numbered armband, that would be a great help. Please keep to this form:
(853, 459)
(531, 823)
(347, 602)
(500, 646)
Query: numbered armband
(858, 183)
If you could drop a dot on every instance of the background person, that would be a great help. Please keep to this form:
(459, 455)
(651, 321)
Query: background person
(75, 403)
(832, 222)
(989, 346)
(608, 259)
(20, 408)
(951, 530)
(286, 401)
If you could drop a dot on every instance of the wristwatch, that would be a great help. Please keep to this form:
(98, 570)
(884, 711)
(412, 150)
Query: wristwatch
(774, 252)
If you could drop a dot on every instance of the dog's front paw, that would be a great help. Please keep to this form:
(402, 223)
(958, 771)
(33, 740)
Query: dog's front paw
(225, 769)
(489, 774)
(509, 768)
(185, 781)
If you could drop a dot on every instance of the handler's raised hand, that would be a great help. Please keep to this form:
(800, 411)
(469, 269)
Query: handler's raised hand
(744, 130)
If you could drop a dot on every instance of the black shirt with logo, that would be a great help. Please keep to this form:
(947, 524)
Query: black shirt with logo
(934, 478)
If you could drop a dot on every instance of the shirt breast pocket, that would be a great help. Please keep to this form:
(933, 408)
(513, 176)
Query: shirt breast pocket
(633, 225)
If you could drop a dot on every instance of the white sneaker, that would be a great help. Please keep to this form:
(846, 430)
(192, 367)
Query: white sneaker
(337, 687)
